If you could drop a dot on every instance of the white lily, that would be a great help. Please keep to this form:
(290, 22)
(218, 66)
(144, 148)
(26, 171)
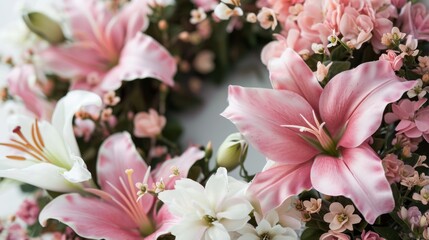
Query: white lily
(46, 154)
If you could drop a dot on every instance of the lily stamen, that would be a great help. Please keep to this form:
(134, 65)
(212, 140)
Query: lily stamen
(34, 148)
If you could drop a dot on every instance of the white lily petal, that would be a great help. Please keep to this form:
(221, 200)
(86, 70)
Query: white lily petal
(55, 148)
(79, 172)
(65, 110)
(43, 175)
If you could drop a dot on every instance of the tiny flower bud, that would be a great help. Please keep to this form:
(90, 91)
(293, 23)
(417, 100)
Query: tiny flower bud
(162, 25)
(232, 151)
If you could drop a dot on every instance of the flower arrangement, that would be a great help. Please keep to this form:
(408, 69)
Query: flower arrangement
(89, 127)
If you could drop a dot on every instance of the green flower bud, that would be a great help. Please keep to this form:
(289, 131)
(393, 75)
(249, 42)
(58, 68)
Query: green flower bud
(232, 151)
(45, 27)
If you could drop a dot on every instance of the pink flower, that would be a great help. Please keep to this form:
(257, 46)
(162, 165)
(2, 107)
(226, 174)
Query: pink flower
(392, 167)
(84, 128)
(267, 18)
(370, 235)
(399, 3)
(341, 218)
(22, 82)
(318, 137)
(16, 232)
(414, 122)
(394, 59)
(331, 235)
(108, 47)
(414, 20)
(28, 211)
(117, 214)
(148, 124)
(207, 5)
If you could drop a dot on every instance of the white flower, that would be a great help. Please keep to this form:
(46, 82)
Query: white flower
(268, 228)
(197, 15)
(222, 11)
(418, 90)
(211, 212)
(46, 154)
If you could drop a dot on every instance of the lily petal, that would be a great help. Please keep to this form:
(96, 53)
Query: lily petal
(65, 110)
(290, 72)
(183, 163)
(32, 173)
(130, 20)
(117, 154)
(142, 57)
(90, 217)
(259, 115)
(20, 81)
(356, 100)
(277, 184)
(358, 174)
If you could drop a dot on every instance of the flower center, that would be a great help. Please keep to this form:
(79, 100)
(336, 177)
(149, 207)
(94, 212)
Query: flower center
(342, 217)
(322, 141)
(132, 207)
(209, 219)
(265, 236)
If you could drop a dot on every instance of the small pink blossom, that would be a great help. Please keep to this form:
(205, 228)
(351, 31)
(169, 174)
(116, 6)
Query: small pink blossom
(313, 206)
(414, 122)
(341, 218)
(392, 167)
(331, 235)
(84, 128)
(394, 59)
(28, 211)
(148, 124)
(423, 196)
(418, 90)
(410, 47)
(370, 235)
(267, 18)
(322, 71)
(16, 232)
(414, 20)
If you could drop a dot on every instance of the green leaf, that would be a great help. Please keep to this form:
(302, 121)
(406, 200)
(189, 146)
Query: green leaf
(337, 67)
(34, 230)
(311, 234)
(387, 232)
(27, 188)
(45, 27)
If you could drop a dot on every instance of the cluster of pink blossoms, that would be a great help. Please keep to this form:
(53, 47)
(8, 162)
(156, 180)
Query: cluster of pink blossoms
(305, 24)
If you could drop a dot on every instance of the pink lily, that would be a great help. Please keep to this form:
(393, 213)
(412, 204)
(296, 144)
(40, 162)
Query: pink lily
(108, 47)
(117, 214)
(21, 81)
(317, 137)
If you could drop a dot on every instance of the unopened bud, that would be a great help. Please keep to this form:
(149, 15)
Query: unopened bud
(209, 150)
(232, 151)
(162, 25)
(44, 27)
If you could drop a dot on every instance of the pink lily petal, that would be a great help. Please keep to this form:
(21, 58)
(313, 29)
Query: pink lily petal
(86, 17)
(90, 217)
(291, 73)
(358, 174)
(19, 84)
(75, 59)
(117, 154)
(275, 185)
(142, 57)
(183, 163)
(259, 114)
(165, 221)
(131, 19)
(357, 98)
